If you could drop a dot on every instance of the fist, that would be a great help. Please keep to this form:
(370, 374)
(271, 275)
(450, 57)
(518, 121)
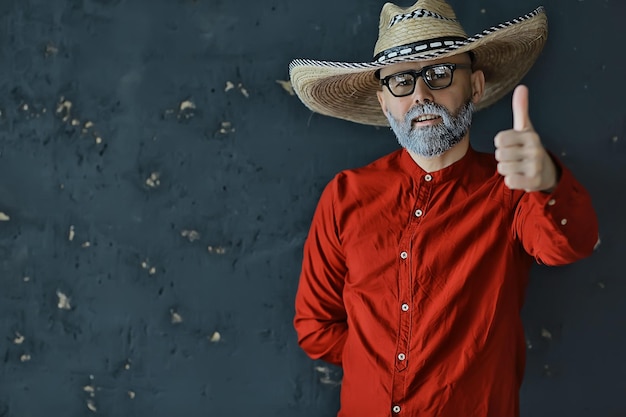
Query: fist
(522, 160)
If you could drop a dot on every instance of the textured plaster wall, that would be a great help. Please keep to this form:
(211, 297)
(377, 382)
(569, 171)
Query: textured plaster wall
(157, 180)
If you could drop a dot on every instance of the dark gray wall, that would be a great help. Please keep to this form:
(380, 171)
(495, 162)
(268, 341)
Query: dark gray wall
(170, 210)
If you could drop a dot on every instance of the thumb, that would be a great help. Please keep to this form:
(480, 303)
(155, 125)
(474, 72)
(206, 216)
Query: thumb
(521, 120)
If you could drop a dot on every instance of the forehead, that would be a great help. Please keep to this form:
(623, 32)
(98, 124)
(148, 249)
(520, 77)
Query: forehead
(405, 66)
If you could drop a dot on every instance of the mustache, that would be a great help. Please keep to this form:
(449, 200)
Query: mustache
(428, 108)
(432, 108)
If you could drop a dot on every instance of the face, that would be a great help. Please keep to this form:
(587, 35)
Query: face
(429, 122)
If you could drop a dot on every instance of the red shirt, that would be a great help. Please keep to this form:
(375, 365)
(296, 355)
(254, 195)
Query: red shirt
(413, 282)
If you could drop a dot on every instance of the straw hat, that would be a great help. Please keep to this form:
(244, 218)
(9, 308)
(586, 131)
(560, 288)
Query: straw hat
(427, 30)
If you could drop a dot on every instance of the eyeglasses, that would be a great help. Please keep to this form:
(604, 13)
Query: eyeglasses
(436, 77)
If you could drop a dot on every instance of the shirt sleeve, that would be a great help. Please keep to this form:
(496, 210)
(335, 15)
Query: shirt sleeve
(320, 316)
(560, 227)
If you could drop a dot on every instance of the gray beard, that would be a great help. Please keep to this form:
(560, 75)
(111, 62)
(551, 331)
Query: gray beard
(431, 141)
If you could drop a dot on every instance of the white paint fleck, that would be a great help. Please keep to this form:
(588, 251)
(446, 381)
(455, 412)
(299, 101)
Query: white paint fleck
(91, 405)
(176, 318)
(217, 250)
(187, 105)
(153, 180)
(64, 301)
(243, 90)
(192, 235)
(286, 85)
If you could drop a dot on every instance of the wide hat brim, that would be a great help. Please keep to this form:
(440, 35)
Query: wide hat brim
(505, 53)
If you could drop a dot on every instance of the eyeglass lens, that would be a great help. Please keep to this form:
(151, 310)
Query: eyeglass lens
(435, 77)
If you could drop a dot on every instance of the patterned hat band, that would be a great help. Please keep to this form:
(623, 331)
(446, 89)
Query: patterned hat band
(448, 43)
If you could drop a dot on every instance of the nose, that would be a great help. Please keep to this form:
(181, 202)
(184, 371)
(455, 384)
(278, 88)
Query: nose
(422, 94)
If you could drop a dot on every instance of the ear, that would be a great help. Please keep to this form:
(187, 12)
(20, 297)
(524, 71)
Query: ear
(478, 85)
(381, 99)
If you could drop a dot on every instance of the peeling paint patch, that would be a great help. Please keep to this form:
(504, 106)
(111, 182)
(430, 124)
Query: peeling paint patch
(63, 302)
(64, 109)
(91, 405)
(219, 250)
(286, 85)
(186, 109)
(146, 265)
(175, 317)
(243, 90)
(325, 377)
(192, 235)
(226, 128)
(230, 86)
(50, 50)
(153, 181)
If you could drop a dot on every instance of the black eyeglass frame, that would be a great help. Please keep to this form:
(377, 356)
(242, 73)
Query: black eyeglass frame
(420, 73)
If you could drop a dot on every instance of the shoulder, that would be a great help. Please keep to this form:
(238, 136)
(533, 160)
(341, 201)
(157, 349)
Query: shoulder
(383, 167)
(350, 186)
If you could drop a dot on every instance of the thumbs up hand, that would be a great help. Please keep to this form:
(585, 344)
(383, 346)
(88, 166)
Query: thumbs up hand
(522, 160)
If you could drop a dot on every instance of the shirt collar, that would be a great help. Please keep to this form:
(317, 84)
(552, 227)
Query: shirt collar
(459, 169)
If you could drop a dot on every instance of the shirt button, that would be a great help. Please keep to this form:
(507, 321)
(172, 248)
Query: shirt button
(428, 177)
(396, 409)
(564, 222)
(552, 202)
(418, 213)
(404, 255)
(401, 356)
(405, 307)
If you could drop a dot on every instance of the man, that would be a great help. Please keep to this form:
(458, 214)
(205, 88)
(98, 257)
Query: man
(416, 265)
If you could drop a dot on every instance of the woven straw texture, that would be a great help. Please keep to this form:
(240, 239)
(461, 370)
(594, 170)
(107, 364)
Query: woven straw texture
(505, 53)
